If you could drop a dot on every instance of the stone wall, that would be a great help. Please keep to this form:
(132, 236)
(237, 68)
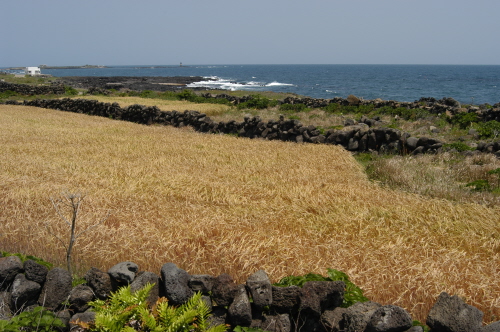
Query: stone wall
(30, 90)
(367, 135)
(256, 303)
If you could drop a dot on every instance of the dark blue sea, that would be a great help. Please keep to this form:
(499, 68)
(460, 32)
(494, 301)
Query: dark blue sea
(465, 83)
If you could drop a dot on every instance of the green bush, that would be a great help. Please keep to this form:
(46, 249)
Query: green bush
(24, 258)
(479, 185)
(257, 102)
(464, 120)
(352, 295)
(490, 129)
(39, 319)
(70, 91)
(293, 108)
(148, 94)
(8, 93)
(128, 311)
(459, 146)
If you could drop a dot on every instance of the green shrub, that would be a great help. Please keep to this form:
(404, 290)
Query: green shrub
(7, 94)
(148, 94)
(39, 319)
(490, 129)
(24, 258)
(479, 185)
(332, 108)
(464, 120)
(459, 146)
(129, 311)
(352, 295)
(70, 91)
(257, 102)
(293, 108)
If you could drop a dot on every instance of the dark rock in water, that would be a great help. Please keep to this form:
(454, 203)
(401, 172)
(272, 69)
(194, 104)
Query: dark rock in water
(132, 83)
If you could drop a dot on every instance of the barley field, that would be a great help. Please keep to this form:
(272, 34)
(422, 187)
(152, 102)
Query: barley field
(220, 204)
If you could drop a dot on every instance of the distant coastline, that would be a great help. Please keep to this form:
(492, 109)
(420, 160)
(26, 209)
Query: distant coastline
(60, 67)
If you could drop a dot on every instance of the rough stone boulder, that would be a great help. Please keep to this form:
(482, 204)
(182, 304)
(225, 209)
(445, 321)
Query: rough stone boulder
(240, 310)
(24, 292)
(452, 314)
(331, 319)
(493, 327)
(56, 289)
(84, 317)
(201, 283)
(389, 318)
(357, 316)
(100, 282)
(124, 273)
(260, 288)
(144, 278)
(286, 299)
(275, 323)
(175, 282)
(35, 272)
(318, 296)
(79, 298)
(10, 266)
(224, 290)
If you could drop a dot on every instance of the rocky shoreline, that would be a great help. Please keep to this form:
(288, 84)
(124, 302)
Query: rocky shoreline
(139, 83)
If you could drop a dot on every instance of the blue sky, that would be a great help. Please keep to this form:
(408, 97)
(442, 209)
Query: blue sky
(159, 32)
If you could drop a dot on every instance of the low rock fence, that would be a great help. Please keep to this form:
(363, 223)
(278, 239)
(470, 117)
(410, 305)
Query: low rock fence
(30, 90)
(257, 303)
(447, 105)
(365, 136)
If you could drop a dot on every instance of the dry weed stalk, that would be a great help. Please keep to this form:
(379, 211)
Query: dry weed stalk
(73, 202)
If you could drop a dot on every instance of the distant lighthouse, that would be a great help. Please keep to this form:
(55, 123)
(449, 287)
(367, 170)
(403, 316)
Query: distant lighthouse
(180, 65)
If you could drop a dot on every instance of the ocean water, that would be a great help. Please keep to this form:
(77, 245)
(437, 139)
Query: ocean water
(475, 84)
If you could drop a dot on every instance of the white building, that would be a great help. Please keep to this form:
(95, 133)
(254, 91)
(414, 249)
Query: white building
(32, 71)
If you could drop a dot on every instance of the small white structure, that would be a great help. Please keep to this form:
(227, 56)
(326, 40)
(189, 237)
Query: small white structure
(32, 71)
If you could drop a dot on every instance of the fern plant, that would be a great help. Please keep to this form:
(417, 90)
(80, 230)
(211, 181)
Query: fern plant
(128, 311)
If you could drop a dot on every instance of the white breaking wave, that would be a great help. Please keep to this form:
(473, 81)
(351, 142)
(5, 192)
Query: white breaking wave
(278, 84)
(226, 84)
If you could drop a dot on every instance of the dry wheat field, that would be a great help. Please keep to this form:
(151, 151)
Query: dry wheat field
(219, 204)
